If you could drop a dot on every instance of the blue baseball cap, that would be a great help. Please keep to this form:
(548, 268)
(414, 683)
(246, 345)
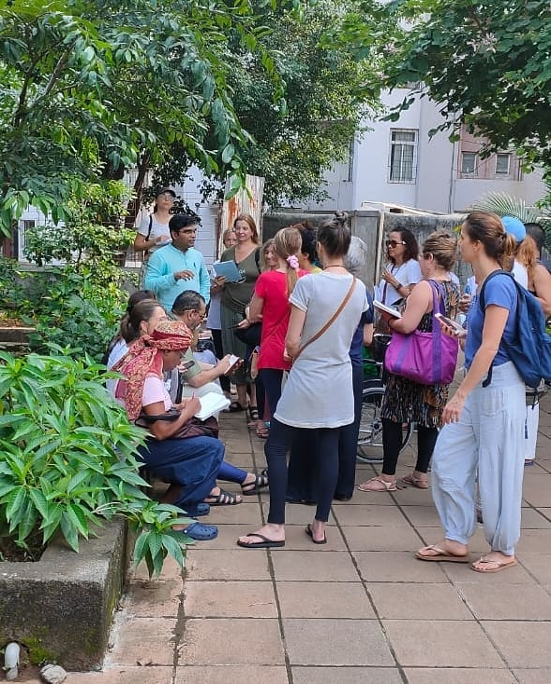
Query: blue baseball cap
(514, 227)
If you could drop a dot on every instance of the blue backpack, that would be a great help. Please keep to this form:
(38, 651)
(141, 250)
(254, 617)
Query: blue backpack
(530, 349)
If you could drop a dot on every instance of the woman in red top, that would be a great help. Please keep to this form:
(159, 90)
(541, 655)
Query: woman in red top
(270, 304)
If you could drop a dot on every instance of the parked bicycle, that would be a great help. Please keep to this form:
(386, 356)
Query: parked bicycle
(370, 436)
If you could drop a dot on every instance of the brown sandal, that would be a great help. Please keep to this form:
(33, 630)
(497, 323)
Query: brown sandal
(414, 481)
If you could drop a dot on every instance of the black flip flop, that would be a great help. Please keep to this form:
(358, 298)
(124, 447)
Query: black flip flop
(308, 532)
(266, 543)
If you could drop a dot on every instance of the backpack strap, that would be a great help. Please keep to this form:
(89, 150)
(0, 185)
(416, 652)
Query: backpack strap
(149, 227)
(499, 271)
(258, 259)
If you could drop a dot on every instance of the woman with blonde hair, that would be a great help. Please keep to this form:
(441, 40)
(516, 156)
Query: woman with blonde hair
(235, 298)
(407, 401)
(270, 303)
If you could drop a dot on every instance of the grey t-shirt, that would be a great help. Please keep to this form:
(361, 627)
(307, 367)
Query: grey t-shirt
(319, 390)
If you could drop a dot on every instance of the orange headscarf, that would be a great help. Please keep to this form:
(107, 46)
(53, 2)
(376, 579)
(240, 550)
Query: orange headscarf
(144, 358)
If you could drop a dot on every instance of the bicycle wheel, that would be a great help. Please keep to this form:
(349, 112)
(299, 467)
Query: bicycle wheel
(370, 435)
(370, 444)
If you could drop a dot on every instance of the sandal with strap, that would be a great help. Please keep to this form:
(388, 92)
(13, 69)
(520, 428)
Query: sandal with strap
(377, 484)
(262, 431)
(253, 413)
(260, 482)
(234, 407)
(414, 481)
(223, 499)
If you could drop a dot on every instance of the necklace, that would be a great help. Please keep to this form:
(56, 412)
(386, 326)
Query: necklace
(334, 266)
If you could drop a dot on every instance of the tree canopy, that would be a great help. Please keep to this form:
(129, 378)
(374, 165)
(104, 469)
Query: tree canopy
(91, 87)
(485, 62)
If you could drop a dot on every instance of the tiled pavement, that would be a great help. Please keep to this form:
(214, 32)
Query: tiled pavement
(360, 609)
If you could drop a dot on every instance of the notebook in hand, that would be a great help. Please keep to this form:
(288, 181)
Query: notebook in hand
(229, 270)
(388, 309)
(211, 403)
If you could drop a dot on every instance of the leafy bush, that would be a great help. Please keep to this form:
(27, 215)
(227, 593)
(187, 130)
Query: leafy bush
(68, 459)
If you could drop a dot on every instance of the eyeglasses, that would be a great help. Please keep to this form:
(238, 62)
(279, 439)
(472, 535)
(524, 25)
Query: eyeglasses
(167, 196)
(394, 243)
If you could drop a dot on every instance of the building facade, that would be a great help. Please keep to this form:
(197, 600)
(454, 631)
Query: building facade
(398, 163)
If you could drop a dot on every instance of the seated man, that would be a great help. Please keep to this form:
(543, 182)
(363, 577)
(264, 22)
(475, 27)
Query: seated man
(194, 376)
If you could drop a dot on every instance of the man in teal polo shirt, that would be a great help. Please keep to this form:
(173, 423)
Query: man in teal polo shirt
(178, 266)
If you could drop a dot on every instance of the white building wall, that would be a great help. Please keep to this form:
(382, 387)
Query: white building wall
(437, 186)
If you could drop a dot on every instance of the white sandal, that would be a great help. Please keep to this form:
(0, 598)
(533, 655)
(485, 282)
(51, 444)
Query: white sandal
(387, 486)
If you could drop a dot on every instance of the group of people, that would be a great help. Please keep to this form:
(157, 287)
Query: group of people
(314, 316)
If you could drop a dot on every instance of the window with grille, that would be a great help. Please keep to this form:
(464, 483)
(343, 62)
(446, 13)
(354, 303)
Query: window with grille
(403, 156)
(503, 161)
(469, 164)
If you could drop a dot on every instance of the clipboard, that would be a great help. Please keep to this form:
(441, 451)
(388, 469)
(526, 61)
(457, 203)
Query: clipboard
(229, 270)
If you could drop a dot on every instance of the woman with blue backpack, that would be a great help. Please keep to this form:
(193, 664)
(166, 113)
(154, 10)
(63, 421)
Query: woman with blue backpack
(484, 420)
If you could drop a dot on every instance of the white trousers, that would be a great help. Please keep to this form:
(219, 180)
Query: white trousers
(490, 439)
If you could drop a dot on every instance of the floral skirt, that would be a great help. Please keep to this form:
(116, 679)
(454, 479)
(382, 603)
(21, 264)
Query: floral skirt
(406, 401)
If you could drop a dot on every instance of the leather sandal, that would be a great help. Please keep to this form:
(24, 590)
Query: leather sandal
(377, 484)
(413, 481)
(223, 499)
(259, 483)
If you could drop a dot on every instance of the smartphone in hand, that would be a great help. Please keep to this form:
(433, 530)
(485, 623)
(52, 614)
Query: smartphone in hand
(234, 361)
(450, 323)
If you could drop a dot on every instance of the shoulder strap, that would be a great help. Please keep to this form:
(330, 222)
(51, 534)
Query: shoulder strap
(332, 319)
(149, 227)
(500, 271)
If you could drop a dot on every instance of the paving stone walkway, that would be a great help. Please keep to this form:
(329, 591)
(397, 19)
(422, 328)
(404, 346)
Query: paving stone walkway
(360, 609)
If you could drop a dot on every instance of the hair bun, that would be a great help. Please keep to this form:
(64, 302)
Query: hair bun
(341, 217)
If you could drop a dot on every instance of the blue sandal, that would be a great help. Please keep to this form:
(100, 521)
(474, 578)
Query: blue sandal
(201, 532)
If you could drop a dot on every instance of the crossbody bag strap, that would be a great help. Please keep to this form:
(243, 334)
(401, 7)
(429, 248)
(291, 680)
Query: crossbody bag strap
(332, 319)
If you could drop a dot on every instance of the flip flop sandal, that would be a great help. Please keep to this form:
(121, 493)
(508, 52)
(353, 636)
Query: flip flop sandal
(265, 542)
(418, 482)
(440, 556)
(373, 485)
(500, 565)
(201, 532)
(260, 483)
(309, 533)
(223, 499)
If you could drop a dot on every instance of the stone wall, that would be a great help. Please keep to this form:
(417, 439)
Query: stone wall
(61, 607)
(366, 225)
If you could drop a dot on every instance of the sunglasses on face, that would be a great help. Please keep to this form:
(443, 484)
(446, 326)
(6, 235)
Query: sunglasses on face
(394, 243)
(167, 196)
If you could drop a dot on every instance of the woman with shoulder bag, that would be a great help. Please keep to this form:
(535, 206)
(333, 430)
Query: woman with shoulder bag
(408, 401)
(325, 311)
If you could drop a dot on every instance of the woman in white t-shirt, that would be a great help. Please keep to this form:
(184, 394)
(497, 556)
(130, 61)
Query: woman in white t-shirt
(402, 270)
(154, 229)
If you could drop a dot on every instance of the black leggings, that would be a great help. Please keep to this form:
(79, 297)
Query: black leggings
(326, 468)
(392, 441)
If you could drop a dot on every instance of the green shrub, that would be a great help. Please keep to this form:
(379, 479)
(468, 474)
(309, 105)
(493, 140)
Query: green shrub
(69, 459)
